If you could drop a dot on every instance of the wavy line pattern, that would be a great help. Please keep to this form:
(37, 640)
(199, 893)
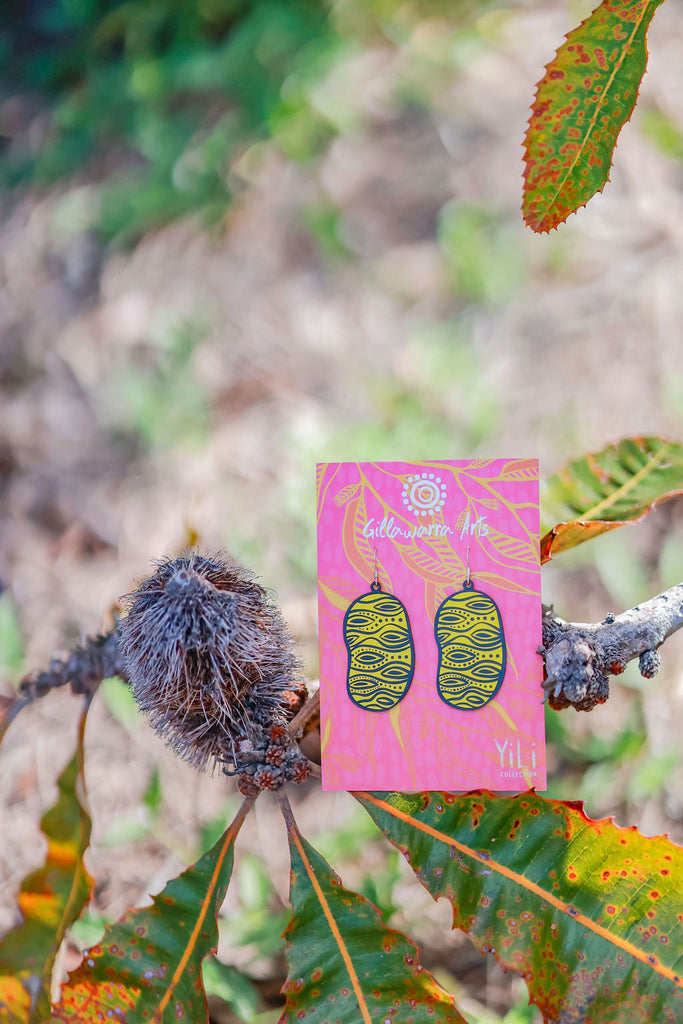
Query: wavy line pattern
(469, 635)
(379, 643)
(490, 506)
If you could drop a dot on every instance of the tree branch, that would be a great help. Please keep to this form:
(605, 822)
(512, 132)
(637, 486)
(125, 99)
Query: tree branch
(578, 659)
(579, 656)
(98, 658)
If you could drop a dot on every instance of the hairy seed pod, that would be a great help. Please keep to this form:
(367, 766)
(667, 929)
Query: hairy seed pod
(208, 657)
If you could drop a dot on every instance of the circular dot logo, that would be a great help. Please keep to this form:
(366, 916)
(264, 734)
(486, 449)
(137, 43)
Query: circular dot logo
(424, 494)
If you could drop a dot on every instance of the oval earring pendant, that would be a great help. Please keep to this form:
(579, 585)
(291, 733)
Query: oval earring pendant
(469, 635)
(379, 642)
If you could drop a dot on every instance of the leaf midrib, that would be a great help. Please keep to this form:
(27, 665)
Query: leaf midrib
(226, 848)
(526, 883)
(598, 106)
(642, 473)
(334, 928)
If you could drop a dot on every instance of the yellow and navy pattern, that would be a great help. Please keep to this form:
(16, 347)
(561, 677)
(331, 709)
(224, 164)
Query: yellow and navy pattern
(469, 635)
(381, 653)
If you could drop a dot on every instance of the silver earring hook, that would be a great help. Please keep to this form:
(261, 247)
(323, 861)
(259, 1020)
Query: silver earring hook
(468, 581)
(376, 584)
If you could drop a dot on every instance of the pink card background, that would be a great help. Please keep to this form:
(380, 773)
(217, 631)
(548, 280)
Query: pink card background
(422, 743)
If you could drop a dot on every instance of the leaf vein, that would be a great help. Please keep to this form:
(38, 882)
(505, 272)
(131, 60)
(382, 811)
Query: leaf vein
(526, 883)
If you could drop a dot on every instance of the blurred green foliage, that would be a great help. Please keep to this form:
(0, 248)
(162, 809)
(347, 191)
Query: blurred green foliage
(481, 252)
(120, 702)
(11, 642)
(168, 90)
(233, 987)
(663, 132)
(158, 100)
(158, 399)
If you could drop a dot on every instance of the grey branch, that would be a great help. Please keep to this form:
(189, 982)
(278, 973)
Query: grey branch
(579, 656)
(86, 666)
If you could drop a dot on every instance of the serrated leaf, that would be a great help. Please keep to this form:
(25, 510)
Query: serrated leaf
(611, 488)
(343, 963)
(588, 913)
(50, 900)
(587, 94)
(147, 966)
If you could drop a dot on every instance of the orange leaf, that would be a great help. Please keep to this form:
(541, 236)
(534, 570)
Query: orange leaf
(50, 900)
(611, 488)
(587, 94)
(588, 913)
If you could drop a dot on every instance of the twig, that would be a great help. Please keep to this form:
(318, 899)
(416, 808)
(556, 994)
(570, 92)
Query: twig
(579, 656)
(99, 658)
(10, 711)
(85, 667)
(242, 812)
(287, 812)
(310, 710)
(304, 730)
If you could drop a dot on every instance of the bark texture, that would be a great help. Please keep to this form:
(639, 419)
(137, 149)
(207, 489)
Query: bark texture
(580, 656)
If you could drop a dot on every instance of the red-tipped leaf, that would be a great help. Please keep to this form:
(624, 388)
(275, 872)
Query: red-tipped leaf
(587, 94)
(343, 964)
(588, 913)
(50, 900)
(147, 966)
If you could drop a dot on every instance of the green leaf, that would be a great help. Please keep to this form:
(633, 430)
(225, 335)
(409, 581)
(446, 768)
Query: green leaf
(600, 492)
(50, 900)
(147, 966)
(587, 94)
(343, 963)
(588, 913)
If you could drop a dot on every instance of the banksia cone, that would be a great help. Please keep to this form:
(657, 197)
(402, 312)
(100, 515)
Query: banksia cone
(210, 663)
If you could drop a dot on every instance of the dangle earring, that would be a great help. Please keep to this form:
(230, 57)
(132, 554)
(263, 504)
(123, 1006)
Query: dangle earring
(471, 643)
(379, 642)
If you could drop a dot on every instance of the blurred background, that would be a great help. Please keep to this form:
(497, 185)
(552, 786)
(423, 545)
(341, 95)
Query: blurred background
(240, 237)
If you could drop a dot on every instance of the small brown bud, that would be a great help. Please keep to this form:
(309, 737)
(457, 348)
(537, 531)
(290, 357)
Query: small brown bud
(275, 755)
(278, 734)
(268, 777)
(649, 663)
(297, 770)
(247, 786)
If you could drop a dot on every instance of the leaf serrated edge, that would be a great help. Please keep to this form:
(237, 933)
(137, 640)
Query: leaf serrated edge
(539, 225)
(549, 536)
(296, 838)
(566, 908)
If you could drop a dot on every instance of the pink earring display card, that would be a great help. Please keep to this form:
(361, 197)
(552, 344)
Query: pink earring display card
(429, 676)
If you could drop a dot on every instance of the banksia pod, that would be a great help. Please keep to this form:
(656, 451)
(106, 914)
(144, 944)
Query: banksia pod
(210, 662)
